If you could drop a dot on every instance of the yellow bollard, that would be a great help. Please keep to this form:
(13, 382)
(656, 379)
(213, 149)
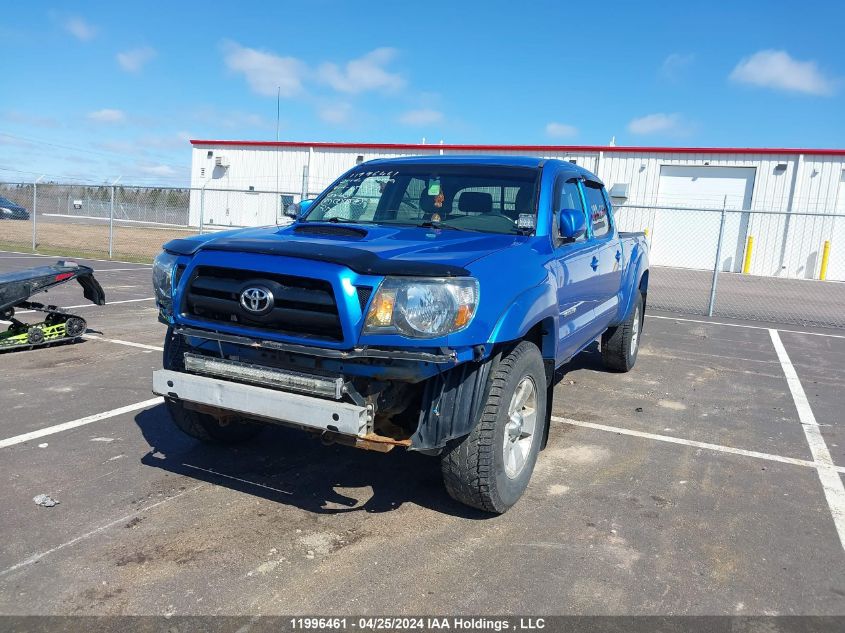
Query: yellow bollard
(825, 257)
(749, 246)
(646, 232)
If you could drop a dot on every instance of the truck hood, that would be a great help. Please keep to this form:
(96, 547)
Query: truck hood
(366, 249)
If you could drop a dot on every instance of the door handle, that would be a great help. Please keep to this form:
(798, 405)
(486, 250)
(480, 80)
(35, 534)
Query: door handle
(595, 263)
(618, 255)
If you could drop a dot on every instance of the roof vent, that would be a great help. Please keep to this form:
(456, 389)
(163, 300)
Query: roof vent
(330, 230)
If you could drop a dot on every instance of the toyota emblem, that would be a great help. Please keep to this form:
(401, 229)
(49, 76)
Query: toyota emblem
(257, 299)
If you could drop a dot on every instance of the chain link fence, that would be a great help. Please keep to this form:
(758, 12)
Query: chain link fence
(768, 266)
(122, 222)
(746, 264)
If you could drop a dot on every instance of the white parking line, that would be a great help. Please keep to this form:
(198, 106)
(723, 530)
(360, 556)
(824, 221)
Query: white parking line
(742, 325)
(3, 255)
(233, 478)
(693, 443)
(91, 305)
(37, 557)
(15, 254)
(834, 490)
(65, 426)
(119, 270)
(117, 341)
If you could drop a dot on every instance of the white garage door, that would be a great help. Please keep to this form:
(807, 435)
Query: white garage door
(688, 239)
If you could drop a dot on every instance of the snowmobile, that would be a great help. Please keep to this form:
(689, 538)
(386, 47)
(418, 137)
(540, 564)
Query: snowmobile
(58, 325)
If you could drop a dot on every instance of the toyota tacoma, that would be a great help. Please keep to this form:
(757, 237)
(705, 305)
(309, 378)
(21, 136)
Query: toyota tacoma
(423, 303)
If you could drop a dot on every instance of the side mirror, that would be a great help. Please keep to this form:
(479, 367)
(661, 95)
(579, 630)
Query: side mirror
(572, 223)
(298, 209)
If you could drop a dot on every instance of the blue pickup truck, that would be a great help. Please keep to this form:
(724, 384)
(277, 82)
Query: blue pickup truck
(419, 302)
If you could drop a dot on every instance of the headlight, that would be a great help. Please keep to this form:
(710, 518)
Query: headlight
(422, 307)
(163, 267)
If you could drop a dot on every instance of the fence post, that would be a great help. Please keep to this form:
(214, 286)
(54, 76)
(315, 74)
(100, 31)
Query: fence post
(303, 195)
(111, 224)
(35, 212)
(718, 259)
(202, 207)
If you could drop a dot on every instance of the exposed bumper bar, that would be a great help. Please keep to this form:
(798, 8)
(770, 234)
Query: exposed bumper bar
(251, 400)
(445, 356)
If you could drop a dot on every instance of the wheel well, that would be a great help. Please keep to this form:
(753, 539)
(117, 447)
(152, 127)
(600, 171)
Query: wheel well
(542, 334)
(644, 287)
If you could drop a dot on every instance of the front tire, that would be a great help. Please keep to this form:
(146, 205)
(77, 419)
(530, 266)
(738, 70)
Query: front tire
(620, 345)
(489, 469)
(201, 426)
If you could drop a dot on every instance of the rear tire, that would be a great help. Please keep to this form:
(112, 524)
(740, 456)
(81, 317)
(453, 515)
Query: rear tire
(207, 428)
(621, 344)
(489, 469)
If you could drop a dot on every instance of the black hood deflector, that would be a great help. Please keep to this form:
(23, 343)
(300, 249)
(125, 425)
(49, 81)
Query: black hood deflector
(360, 260)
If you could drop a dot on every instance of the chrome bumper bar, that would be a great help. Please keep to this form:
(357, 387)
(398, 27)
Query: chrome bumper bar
(261, 402)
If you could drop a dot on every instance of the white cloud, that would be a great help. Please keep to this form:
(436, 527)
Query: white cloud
(422, 116)
(561, 130)
(336, 113)
(157, 170)
(79, 28)
(133, 60)
(107, 115)
(675, 64)
(779, 70)
(179, 140)
(265, 72)
(659, 123)
(362, 74)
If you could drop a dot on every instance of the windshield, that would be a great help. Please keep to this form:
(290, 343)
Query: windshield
(490, 199)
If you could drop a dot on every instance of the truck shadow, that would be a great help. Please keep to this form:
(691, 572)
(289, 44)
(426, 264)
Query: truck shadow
(291, 467)
(589, 358)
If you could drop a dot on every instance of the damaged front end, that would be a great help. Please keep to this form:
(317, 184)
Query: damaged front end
(371, 398)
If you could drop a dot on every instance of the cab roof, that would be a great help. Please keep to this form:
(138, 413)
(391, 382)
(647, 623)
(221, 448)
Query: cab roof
(478, 159)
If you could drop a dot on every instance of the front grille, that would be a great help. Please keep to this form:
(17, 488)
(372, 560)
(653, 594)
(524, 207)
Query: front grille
(364, 293)
(302, 307)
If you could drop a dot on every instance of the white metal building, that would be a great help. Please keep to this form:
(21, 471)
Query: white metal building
(789, 195)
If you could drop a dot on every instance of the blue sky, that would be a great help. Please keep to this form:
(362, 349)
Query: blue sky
(97, 90)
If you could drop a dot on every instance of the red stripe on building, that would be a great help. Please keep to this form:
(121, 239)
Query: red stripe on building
(558, 149)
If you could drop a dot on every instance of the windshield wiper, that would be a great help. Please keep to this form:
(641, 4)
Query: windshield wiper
(338, 220)
(428, 224)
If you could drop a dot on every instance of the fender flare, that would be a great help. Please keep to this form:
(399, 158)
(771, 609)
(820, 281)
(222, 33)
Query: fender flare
(529, 308)
(632, 280)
